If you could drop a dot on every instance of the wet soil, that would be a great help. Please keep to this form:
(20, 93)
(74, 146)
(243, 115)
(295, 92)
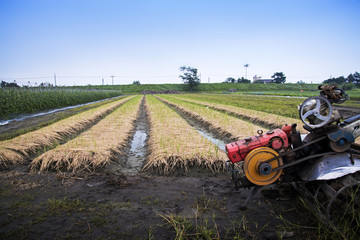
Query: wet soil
(131, 161)
(347, 112)
(109, 206)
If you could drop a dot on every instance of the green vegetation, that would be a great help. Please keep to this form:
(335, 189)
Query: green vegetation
(286, 89)
(269, 104)
(208, 87)
(19, 100)
(190, 77)
(59, 116)
(15, 101)
(57, 206)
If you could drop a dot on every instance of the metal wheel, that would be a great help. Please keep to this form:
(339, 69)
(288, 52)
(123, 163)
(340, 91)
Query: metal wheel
(257, 171)
(315, 112)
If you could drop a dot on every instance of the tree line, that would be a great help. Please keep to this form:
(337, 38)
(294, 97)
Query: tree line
(353, 80)
(278, 77)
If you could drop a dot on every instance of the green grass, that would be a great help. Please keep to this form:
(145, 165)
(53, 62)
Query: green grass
(286, 107)
(206, 87)
(20, 101)
(59, 116)
(56, 206)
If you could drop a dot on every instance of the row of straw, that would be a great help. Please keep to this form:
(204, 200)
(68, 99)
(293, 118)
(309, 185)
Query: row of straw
(94, 148)
(17, 150)
(261, 118)
(174, 144)
(224, 125)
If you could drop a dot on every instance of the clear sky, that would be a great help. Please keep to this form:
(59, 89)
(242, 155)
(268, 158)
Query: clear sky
(83, 41)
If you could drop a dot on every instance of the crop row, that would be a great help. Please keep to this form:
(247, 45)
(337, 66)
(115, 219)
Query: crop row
(261, 118)
(282, 106)
(18, 149)
(173, 143)
(94, 138)
(221, 124)
(96, 147)
(20, 101)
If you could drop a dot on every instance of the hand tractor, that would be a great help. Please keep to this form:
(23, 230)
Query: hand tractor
(322, 164)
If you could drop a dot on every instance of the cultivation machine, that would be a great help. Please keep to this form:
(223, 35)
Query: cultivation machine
(322, 164)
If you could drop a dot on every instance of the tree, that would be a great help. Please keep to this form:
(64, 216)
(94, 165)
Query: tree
(279, 77)
(46, 84)
(190, 77)
(243, 80)
(137, 82)
(339, 80)
(354, 79)
(230, 80)
(9, 85)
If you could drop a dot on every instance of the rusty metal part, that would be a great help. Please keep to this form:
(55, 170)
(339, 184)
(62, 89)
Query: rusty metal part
(331, 199)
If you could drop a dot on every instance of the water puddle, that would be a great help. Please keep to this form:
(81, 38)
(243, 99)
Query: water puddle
(136, 155)
(131, 163)
(203, 132)
(221, 144)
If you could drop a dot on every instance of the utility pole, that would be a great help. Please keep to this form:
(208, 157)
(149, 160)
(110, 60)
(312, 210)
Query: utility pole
(112, 79)
(246, 66)
(55, 79)
(103, 81)
(208, 79)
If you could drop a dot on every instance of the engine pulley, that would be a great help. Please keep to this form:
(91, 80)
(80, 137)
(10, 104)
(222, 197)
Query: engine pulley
(257, 170)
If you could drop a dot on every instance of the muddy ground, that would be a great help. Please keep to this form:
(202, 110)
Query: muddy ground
(109, 206)
(115, 204)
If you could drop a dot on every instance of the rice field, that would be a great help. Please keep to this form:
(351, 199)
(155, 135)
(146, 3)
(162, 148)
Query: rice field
(173, 143)
(91, 140)
(94, 148)
(263, 118)
(19, 149)
(223, 124)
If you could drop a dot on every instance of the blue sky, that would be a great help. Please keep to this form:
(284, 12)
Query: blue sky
(83, 41)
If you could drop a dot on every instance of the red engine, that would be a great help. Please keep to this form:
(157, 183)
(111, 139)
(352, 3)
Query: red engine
(276, 139)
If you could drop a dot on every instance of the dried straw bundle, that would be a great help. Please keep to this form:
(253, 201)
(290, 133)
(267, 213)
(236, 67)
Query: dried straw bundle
(6, 155)
(222, 124)
(18, 149)
(173, 143)
(266, 119)
(94, 148)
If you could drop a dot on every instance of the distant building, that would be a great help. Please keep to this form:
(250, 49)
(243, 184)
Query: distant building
(258, 79)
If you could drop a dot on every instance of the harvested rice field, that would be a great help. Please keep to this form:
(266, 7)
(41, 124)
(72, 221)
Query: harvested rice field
(257, 117)
(221, 124)
(144, 167)
(94, 148)
(175, 144)
(19, 149)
